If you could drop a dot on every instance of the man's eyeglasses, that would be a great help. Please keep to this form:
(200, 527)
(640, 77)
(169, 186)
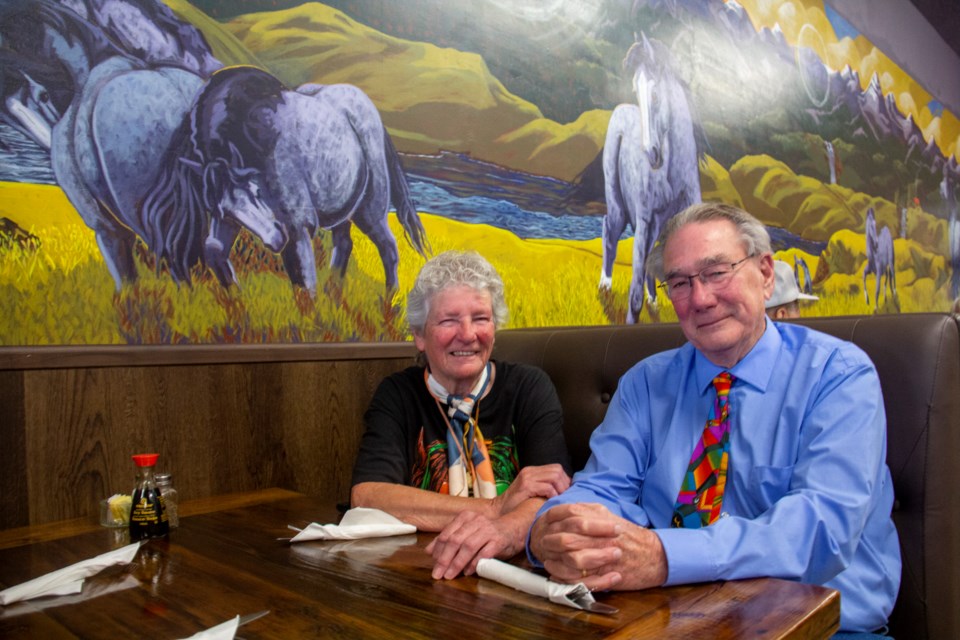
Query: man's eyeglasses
(714, 278)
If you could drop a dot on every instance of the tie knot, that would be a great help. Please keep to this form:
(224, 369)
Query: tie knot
(722, 383)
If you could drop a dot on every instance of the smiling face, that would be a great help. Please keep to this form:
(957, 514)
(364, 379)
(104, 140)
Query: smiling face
(458, 336)
(724, 323)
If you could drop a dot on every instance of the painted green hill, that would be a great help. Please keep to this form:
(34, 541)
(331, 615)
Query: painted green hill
(431, 98)
(815, 210)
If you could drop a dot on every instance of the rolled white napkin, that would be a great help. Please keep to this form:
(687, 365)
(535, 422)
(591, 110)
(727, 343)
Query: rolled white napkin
(356, 523)
(571, 595)
(69, 579)
(223, 631)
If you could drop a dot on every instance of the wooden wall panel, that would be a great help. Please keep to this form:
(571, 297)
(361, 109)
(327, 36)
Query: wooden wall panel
(13, 480)
(218, 428)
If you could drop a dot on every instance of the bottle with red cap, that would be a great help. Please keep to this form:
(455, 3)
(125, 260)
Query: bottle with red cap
(148, 517)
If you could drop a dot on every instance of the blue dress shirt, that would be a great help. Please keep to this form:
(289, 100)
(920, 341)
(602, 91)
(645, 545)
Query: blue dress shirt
(808, 494)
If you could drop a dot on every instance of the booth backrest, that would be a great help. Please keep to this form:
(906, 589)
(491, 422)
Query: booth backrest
(918, 360)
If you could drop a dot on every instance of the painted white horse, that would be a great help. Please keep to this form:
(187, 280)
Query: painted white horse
(650, 164)
(880, 262)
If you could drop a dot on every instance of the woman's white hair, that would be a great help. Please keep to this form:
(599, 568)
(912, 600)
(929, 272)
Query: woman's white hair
(454, 269)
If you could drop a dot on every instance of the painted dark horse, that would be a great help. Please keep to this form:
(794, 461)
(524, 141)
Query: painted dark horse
(326, 161)
(650, 164)
(107, 147)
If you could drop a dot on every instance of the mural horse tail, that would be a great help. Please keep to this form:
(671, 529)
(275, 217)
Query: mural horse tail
(107, 149)
(327, 162)
(880, 262)
(948, 193)
(650, 165)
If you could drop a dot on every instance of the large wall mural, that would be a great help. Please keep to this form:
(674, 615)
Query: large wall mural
(278, 171)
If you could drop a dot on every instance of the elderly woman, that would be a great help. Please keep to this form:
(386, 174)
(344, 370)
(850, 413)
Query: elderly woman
(462, 444)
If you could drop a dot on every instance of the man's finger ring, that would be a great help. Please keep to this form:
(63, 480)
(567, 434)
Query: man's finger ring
(583, 573)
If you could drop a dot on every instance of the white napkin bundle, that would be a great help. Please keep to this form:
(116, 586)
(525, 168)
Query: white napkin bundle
(359, 522)
(69, 579)
(571, 595)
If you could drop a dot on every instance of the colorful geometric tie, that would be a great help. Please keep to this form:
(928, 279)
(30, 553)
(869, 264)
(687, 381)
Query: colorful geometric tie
(701, 494)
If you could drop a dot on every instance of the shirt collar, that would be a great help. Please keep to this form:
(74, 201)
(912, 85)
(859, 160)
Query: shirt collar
(755, 369)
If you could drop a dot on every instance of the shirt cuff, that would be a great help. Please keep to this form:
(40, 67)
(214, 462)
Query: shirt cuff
(690, 556)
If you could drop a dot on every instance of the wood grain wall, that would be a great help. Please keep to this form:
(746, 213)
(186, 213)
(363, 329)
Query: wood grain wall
(223, 419)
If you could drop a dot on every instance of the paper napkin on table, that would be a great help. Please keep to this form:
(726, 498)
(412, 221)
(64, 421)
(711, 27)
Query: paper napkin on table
(93, 590)
(69, 579)
(534, 584)
(223, 631)
(359, 522)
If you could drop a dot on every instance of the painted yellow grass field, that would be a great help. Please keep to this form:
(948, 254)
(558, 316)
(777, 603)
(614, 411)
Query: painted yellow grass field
(61, 293)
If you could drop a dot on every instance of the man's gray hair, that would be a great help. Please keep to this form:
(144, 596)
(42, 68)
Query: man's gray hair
(453, 269)
(753, 234)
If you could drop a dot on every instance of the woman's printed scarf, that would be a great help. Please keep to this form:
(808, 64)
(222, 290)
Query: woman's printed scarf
(473, 474)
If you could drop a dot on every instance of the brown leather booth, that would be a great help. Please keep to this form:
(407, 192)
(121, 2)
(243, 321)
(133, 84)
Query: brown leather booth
(918, 359)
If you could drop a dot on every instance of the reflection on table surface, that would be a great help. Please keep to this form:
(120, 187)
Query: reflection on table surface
(221, 563)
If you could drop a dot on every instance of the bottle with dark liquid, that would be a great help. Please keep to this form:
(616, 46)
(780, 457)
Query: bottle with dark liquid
(148, 517)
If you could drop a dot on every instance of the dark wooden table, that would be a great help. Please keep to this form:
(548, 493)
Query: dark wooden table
(220, 563)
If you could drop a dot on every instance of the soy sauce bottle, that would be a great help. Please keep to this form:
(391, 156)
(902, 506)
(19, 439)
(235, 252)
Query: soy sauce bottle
(148, 517)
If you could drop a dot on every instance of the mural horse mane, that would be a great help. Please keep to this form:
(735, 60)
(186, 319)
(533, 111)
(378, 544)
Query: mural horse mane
(880, 262)
(650, 164)
(107, 148)
(326, 159)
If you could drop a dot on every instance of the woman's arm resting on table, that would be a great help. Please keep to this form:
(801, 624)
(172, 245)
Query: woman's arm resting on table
(426, 510)
(430, 511)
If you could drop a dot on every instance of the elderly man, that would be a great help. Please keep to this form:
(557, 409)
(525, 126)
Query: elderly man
(787, 478)
(785, 301)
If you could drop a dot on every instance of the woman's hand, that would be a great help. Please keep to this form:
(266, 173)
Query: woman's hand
(469, 538)
(543, 481)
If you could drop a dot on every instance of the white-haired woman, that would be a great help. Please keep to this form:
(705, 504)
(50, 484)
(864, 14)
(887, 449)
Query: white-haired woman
(462, 444)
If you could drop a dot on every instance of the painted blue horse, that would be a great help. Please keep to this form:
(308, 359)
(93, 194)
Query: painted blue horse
(107, 148)
(880, 262)
(326, 160)
(804, 283)
(650, 164)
